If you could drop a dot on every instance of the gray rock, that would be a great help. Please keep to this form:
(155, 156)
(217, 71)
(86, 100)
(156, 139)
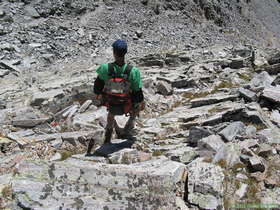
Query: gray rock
(152, 60)
(271, 196)
(270, 135)
(92, 158)
(2, 13)
(213, 99)
(29, 123)
(197, 133)
(275, 117)
(261, 80)
(209, 146)
(205, 185)
(139, 33)
(256, 164)
(229, 154)
(183, 154)
(259, 59)
(39, 97)
(56, 156)
(129, 156)
(276, 81)
(249, 144)
(84, 184)
(250, 131)
(164, 88)
(4, 72)
(234, 129)
(241, 192)
(265, 150)
(248, 95)
(9, 66)
(237, 63)
(209, 202)
(32, 12)
(273, 69)
(272, 94)
(91, 119)
(85, 105)
(183, 83)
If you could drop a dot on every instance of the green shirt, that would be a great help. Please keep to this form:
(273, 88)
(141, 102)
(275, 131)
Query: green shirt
(134, 77)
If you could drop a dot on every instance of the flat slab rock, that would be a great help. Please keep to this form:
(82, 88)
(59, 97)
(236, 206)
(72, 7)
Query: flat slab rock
(272, 94)
(77, 184)
(212, 100)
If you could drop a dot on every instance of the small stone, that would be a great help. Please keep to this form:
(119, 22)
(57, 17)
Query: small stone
(276, 81)
(164, 88)
(250, 131)
(272, 94)
(248, 95)
(241, 192)
(139, 33)
(32, 12)
(265, 150)
(209, 146)
(197, 133)
(56, 156)
(256, 164)
(35, 45)
(241, 176)
(85, 105)
(2, 13)
(230, 132)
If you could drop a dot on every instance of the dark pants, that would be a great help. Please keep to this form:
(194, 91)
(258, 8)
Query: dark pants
(121, 132)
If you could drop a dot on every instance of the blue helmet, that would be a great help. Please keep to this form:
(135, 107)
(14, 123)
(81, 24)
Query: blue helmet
(120, 47)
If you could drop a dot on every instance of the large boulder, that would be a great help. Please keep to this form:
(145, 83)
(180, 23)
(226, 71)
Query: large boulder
(84, 184)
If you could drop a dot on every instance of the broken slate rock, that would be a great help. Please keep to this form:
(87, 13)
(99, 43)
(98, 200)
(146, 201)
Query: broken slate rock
(39, 97)
(129, 156)
(248, 95)
(32, 12)
(209, 146)
(205, 185)
(85, 105)
(229, 154)
(213, 99)
(183, 154)
(234, 129)
(272, 94)
(164, 88)
(265, 150)
(261, 80)
(196, 133)
(256, 164)
(276, 81)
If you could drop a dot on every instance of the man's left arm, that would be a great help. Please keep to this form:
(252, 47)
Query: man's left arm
(137, 95)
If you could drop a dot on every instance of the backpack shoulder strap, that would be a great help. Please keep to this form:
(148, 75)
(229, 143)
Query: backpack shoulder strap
(111, 71)
(127, 70)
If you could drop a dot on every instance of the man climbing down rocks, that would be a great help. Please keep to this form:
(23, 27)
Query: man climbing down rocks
(119, 86)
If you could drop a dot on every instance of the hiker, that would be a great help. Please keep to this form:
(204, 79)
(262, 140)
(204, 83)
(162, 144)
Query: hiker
(119, 86)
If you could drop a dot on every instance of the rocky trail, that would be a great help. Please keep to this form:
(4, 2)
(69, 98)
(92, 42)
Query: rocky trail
(208, 139)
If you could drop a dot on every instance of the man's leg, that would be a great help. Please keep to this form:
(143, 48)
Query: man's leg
(109, 127)
(130, 124)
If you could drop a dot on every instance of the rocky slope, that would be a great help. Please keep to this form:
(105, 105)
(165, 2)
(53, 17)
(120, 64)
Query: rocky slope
(208, 138)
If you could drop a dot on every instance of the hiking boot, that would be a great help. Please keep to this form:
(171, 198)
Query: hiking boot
(108, 136)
